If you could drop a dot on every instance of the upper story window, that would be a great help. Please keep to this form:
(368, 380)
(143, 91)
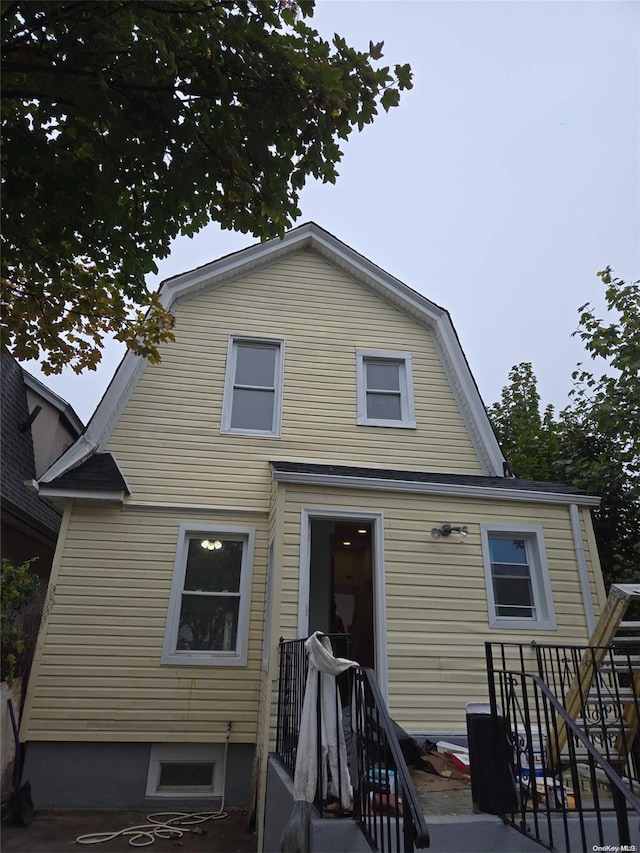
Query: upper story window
(517, 577)
(253, 386)
(385, 389)
(208, 615)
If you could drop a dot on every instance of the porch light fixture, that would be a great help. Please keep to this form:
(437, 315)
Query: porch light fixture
(211, 546)
(447, 530)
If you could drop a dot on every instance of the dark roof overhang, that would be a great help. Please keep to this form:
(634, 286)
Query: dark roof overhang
(98, 478)
(462, 485)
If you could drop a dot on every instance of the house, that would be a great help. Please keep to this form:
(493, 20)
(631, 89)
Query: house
(37, 427)
(312, 446)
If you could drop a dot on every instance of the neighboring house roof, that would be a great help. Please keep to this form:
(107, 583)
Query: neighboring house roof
(67, 412)
(17, 460)
(306, 237)
(429, 482)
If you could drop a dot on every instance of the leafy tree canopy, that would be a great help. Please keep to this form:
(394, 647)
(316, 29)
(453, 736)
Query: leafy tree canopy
(126, 124)
(593, 443)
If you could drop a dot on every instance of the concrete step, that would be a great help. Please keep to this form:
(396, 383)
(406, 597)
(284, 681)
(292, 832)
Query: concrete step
(481, 833)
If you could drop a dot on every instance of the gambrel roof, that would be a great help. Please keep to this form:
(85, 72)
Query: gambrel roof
(239, 264)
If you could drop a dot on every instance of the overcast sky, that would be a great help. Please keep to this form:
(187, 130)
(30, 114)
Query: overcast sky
(505, 180)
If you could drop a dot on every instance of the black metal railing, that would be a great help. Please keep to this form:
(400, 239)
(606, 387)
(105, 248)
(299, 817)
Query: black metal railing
(571, 774)
(385, 804)
(599, 687)
(292, 680)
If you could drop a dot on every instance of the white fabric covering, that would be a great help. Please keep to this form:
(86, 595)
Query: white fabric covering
(333, 752)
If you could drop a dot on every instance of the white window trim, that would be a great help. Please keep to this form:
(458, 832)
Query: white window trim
(207, 658)
(407, 407)
(185, 753)
(227, 404)
(540, 581)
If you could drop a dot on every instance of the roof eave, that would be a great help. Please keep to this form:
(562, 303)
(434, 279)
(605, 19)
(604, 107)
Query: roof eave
(426, 488)
(93, 496)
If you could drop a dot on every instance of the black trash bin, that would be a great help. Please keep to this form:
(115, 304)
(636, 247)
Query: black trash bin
(493, 788)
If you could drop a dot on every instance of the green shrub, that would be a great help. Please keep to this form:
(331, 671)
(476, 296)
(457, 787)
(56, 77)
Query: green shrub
(19, 587)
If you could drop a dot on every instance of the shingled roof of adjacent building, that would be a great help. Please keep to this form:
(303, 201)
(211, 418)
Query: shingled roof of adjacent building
(17, 458)
(398, 475)
(98, 473)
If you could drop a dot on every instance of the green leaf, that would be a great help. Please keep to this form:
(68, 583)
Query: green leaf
(390, 98)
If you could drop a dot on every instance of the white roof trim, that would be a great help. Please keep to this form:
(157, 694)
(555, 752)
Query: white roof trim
(110, 496)
(423, 488)
(308, 236)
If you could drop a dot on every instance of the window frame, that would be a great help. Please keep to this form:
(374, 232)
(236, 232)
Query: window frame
(185, 753)
(533, 535)
(229, 385)
(199, 657)
(407, 405)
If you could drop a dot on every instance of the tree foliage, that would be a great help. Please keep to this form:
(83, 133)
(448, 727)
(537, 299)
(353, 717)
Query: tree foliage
(610, 402)
(126, 124)
(19, 587)
(593, 443)
(528, 438)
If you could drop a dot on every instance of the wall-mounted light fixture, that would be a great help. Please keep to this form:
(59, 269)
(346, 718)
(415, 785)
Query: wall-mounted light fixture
(211, 546)
(447, 530)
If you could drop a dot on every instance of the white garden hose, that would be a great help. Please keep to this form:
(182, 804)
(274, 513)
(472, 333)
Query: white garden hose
(171, 825)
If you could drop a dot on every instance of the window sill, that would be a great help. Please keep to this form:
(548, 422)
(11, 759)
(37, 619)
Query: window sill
(521, 625)
(387, 424)
(188, 659)
(252, 432)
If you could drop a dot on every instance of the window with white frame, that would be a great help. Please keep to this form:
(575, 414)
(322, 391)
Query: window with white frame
(185, 770)
(208, 615)
(253, 386)
(517, 577)
(385, 389)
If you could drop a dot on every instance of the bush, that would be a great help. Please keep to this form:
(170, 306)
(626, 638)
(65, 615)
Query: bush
(18, 589)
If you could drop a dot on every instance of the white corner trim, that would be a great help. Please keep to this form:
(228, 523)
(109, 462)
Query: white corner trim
(467, 396)
(583, 569)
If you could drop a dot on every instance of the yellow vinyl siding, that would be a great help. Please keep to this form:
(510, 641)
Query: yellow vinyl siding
(436, 607)
(168, 441)
(98, 675)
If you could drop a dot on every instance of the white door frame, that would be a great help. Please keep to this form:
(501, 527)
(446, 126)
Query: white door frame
(379, 598)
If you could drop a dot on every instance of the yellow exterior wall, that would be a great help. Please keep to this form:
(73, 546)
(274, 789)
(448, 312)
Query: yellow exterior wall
(436, 605)
(97, 675)
(168, 442)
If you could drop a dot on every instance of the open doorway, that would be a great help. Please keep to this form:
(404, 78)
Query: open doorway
(341, 582)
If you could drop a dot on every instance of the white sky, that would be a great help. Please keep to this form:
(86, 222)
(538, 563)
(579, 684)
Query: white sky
(505, 180)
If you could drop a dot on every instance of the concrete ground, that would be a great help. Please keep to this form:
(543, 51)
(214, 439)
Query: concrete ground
(56, 832)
